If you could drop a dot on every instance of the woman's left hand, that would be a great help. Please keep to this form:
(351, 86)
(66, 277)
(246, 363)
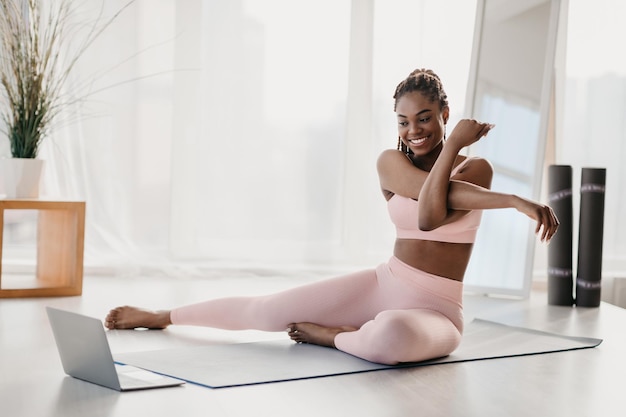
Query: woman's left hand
(547, 222)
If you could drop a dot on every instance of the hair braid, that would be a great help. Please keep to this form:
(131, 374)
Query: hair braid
(402, 147)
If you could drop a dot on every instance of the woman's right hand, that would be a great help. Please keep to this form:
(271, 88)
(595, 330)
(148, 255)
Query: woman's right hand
(547, 222)
(468, 131)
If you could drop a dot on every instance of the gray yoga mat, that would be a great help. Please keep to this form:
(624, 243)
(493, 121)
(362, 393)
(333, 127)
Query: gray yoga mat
(219, 366)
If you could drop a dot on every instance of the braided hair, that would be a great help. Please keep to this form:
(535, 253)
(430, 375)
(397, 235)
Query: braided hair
(427, 83)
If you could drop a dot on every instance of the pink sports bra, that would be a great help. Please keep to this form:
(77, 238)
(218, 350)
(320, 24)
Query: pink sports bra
(404, 214)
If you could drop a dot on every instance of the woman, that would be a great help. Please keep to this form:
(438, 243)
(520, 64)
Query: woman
(408, 309)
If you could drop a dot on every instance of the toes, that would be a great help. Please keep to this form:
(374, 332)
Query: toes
(110, 322)
(292, 329)
(294, 334)
(112, 318)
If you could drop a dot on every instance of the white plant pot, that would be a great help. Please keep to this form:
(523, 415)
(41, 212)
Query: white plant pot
(21, 176)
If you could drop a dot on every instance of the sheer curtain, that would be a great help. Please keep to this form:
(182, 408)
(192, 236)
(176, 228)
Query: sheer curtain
(232, 132)
(593, 119)
(261, 171)
(112, 147)
(244, 133)
(282, 171)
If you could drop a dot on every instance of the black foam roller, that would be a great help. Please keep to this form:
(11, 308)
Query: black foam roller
(589, 270)
(560, 274)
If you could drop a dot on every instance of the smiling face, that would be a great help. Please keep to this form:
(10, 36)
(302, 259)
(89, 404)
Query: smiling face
(421, 123)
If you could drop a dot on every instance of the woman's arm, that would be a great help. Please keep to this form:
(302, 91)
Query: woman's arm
(466, 196)
(434, 209)
(467, 191)
(397, 175)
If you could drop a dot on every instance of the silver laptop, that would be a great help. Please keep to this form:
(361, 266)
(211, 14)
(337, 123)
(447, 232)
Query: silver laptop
(85, 354)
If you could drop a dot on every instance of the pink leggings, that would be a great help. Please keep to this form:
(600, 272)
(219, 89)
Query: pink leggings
(403, 314)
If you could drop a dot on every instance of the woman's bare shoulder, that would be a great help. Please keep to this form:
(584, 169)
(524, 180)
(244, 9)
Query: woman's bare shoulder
(391, 159)
(391, 154)
(476, 170)
(398, 175)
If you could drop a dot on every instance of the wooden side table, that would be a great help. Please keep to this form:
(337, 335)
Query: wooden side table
(60, 247)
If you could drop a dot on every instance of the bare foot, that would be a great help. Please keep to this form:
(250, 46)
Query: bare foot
(316, 334)
(132, 317)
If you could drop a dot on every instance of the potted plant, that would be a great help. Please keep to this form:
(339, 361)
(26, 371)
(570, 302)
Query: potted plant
(39, 47)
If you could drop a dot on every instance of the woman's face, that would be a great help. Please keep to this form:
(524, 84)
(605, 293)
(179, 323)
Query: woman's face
(421, 123)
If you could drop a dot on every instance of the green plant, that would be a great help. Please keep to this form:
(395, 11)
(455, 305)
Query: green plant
(39, 47)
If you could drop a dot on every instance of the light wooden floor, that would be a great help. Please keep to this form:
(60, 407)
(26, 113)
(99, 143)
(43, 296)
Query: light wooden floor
(578, 383)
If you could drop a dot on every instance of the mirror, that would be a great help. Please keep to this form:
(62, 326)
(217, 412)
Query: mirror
(510, 84)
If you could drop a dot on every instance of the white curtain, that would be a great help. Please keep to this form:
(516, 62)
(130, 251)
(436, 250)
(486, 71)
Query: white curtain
(594, 131)
(244, 133)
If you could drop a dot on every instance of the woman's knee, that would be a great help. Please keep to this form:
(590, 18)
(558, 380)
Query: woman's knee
(408, 336)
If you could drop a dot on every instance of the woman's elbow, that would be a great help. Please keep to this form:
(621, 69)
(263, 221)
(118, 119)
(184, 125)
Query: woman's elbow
(428, 224)
(431, 216)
